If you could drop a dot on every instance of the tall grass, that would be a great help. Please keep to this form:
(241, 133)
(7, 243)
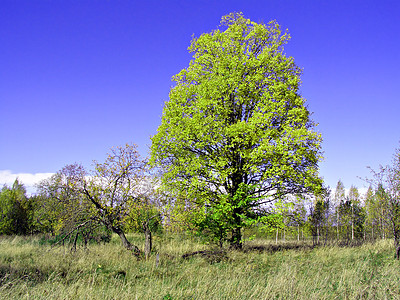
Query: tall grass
(30, 270)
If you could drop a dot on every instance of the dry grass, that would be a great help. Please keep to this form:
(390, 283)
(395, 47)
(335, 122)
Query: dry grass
(29, 270)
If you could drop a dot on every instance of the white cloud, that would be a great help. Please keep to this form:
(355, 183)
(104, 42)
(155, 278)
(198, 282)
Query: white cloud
(27, 179)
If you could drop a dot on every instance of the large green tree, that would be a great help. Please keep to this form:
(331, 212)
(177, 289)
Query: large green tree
(236, 132)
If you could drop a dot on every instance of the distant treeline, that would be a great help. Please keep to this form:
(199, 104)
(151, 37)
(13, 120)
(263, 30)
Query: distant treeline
(335, 217)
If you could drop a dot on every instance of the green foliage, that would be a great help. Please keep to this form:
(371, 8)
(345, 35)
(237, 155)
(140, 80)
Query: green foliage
(352, 216)
(16, 210)
(235, 119)
(138, 214)
(7, 214)
(178, 214)
(60, 207)
(386, 201)
(271, 222)
(340, 193)
(318, 217)
(372, 213)
(47, 213)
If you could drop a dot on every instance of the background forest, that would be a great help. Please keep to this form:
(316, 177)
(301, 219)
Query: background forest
(336, 217)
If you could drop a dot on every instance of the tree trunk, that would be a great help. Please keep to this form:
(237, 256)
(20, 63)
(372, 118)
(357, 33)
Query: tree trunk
(298, 232)
(73, 248)
(337, 225)
(326, 235)
(148, 239)
(236, 239)
(372, 227)
(125, 241)
(352, 221)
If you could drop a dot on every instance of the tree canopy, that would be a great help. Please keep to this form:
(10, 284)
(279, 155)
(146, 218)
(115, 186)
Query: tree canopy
(236, 133)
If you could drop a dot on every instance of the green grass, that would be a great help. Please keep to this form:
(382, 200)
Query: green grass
(30, 269)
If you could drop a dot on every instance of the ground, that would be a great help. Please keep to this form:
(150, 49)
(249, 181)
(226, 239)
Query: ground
(31, 269)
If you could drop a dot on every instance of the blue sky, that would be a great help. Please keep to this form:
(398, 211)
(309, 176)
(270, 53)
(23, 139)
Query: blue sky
(79, 77)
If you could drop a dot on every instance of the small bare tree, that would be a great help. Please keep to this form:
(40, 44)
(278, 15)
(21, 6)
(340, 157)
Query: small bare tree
(105, 193)
(387, 183)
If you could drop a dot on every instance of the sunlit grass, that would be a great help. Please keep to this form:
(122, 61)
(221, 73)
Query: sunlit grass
(29, 270)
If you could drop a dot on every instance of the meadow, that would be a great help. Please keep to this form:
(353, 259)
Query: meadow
(32, 269)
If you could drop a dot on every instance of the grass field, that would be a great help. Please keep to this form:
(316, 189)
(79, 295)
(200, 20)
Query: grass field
(32, 270)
